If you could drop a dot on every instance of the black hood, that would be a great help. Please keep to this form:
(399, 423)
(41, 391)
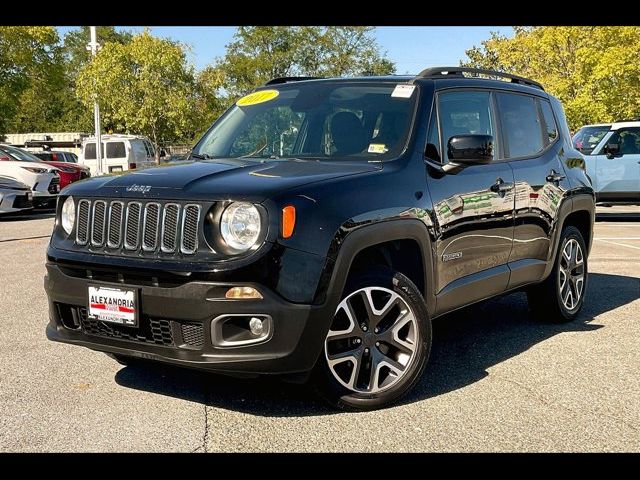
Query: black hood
(217, 179)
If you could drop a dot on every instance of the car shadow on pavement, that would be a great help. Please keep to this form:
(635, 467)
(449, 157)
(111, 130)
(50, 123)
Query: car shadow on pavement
(466, 344)
(33, 215)
(618, 217)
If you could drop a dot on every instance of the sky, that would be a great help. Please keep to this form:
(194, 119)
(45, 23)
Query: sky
(411, 48)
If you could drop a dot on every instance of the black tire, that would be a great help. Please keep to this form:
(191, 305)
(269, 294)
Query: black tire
(344, 398)
(545, 301)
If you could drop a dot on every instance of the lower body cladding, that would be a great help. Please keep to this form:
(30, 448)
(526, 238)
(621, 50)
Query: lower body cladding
(192, 324)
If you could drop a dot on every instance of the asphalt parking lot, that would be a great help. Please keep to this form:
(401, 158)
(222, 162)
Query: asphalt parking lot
(496, 381)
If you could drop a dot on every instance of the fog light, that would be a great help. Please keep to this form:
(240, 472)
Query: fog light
(256, 326)
(243, 293)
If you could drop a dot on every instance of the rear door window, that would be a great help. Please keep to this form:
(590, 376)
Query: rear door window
(90, 151)
(521, 125)
(44, 156)
(628, 139)
(116, 150)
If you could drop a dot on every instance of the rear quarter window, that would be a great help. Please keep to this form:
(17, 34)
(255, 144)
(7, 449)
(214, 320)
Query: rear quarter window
(550, 125)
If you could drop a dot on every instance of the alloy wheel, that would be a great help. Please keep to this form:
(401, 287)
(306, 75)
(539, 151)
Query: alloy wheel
(571, 274)
(372, 340)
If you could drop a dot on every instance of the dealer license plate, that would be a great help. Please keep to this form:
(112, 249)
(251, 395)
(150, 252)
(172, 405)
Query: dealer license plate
(114, 305)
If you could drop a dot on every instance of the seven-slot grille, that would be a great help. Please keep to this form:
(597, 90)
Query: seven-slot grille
(133, 226)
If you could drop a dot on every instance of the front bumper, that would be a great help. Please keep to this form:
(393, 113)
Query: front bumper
(15, 201)
(41, 200)
(295, 343)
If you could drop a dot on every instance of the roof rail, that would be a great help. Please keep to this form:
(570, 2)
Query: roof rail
(279, 80)
(440, 72)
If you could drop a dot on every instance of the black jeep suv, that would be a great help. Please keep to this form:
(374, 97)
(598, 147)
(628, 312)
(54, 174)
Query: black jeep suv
(323, 224)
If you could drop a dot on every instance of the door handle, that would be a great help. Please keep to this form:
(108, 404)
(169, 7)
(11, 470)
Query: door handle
(555, 177)
(501, 186)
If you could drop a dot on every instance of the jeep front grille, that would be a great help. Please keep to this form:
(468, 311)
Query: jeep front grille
(98, 222)
(150, 227)
(115, 224)
(82, 228)
(170, 227)
(132, 226)
(190, 219)
(138, 227)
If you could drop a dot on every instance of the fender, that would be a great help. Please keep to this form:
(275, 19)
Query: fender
(586, 201)
(336, 271)
(574, 203)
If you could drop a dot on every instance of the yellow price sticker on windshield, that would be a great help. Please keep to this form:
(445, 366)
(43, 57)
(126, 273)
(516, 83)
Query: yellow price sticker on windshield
(257, 97)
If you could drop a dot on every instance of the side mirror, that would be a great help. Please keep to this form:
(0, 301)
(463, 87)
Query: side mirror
(468, 150)
(611, 150)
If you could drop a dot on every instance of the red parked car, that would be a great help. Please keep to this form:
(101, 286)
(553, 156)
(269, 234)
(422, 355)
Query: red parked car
(69, 171)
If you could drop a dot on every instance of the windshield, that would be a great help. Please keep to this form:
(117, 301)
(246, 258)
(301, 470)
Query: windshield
(587, 138)
(319, 120)
(20, 155)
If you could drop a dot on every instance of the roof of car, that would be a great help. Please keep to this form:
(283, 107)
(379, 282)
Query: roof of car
(116, 136)
(615, 125)
(618, 125)
(445, 81)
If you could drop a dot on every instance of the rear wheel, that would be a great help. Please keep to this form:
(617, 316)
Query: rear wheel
(378, 343)
(561, 296)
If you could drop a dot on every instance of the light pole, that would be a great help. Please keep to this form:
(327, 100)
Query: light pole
(93, 45)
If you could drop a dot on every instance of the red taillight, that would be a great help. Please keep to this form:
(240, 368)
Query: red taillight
(54, 157)
(132, 166)
(4, 158)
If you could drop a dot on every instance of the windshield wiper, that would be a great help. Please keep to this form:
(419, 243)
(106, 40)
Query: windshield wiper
(202, 156)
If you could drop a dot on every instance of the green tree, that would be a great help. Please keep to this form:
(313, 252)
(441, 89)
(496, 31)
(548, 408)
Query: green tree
(75, 45)
(26, 53)
(144, 87)
(209, 102)
(258, 54)
(74, 115)
(594, 71)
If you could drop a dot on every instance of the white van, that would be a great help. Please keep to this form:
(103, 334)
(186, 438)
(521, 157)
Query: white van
(119, 153)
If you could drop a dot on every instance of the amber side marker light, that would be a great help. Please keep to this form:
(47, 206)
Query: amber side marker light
(288, 220)
(243, 293)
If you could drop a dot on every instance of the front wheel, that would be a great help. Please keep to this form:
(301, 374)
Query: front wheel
(378, 343)
(561, 296)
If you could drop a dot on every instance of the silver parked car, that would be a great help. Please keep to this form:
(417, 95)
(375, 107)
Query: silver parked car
(14, 195)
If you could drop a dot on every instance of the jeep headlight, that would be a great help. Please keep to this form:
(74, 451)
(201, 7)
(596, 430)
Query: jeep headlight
(240, 226)
(68, 215)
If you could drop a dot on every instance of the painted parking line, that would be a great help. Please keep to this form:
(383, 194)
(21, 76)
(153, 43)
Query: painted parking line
(617, 238)
(619, 244)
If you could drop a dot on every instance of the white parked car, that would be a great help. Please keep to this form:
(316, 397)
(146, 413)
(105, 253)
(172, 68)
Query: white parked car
(14, 195)
(612, 156)
(42, 179)
(119, 153)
